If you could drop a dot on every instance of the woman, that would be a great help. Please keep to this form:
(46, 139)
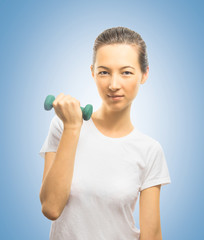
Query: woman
(94, 170)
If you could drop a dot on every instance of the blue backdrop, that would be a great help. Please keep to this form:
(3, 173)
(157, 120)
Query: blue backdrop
(46, 48)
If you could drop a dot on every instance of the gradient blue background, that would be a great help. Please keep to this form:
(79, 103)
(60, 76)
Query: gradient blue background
(46, 48)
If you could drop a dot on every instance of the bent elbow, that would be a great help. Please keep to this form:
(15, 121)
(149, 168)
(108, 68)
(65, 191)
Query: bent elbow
(50, 214)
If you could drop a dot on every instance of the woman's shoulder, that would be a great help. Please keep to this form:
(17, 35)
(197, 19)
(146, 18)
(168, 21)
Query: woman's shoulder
(146, 139)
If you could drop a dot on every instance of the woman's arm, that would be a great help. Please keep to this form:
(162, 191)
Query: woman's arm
(149, 214)
(56, 185)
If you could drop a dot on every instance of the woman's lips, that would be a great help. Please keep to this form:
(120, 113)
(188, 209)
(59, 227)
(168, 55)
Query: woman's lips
(116, 97)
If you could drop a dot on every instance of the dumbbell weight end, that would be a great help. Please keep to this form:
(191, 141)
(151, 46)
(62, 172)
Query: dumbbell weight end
(86, 111)
(48, 102)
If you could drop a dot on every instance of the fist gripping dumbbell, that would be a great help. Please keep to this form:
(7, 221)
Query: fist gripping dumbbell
(86, 111)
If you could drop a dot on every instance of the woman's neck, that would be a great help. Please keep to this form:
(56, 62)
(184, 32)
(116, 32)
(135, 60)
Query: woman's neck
(114, 121)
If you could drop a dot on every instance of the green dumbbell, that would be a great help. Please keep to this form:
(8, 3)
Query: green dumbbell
(86, 111)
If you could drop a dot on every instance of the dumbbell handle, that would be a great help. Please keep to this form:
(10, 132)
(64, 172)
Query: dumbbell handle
(86, 111)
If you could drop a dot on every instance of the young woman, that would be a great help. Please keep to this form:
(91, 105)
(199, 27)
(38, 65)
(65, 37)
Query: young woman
(94, 170)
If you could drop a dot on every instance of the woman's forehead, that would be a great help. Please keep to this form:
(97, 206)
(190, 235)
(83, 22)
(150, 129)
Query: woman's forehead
(122, 54)
(118, 46)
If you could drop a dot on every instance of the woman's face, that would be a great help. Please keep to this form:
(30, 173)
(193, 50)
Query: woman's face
(117, 72)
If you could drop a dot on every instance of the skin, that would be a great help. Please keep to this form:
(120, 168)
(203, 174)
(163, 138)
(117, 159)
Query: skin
(113, 117)
(149, 214)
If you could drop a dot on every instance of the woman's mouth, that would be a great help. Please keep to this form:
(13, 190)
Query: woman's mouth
(116, 98)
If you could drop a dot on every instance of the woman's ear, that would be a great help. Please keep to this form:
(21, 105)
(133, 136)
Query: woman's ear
(145, 76)
(92, 70)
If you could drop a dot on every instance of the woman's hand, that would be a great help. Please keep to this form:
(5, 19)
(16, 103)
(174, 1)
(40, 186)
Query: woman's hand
(68, 110)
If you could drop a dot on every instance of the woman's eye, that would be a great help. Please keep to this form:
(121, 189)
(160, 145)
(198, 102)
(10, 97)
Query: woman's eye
(105, 73)
(127, 72)
(101, 73)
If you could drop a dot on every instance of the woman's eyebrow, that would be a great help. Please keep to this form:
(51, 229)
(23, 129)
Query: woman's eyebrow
(120, 68)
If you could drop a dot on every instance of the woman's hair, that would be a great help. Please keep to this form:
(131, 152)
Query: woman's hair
(126, 36)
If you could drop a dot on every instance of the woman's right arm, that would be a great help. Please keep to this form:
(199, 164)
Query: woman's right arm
(56, 184)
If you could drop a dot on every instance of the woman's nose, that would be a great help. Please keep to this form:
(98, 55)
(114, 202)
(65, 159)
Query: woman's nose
(114, 82)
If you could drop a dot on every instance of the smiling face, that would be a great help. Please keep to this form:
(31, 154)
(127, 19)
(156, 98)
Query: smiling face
(117, 72)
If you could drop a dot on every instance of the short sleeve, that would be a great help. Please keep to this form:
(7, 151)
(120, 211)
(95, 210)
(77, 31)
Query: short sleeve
(156, 171)
(53, 138)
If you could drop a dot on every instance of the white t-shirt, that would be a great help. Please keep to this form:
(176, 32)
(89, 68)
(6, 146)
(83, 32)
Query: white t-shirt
(108, 175)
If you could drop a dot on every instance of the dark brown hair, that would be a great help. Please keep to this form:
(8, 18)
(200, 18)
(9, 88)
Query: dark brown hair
(126, 36)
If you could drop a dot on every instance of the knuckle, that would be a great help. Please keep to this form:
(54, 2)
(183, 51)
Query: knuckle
(61, 102)
(54, 103)
(67, 97)
(75, 100)
(61, 94)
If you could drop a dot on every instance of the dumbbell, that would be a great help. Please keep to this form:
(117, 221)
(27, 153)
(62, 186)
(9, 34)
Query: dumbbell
(86, 111)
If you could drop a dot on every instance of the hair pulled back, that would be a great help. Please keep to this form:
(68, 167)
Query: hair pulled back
(122, 35)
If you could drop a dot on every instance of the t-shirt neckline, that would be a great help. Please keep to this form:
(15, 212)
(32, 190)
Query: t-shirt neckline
(111, 138)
